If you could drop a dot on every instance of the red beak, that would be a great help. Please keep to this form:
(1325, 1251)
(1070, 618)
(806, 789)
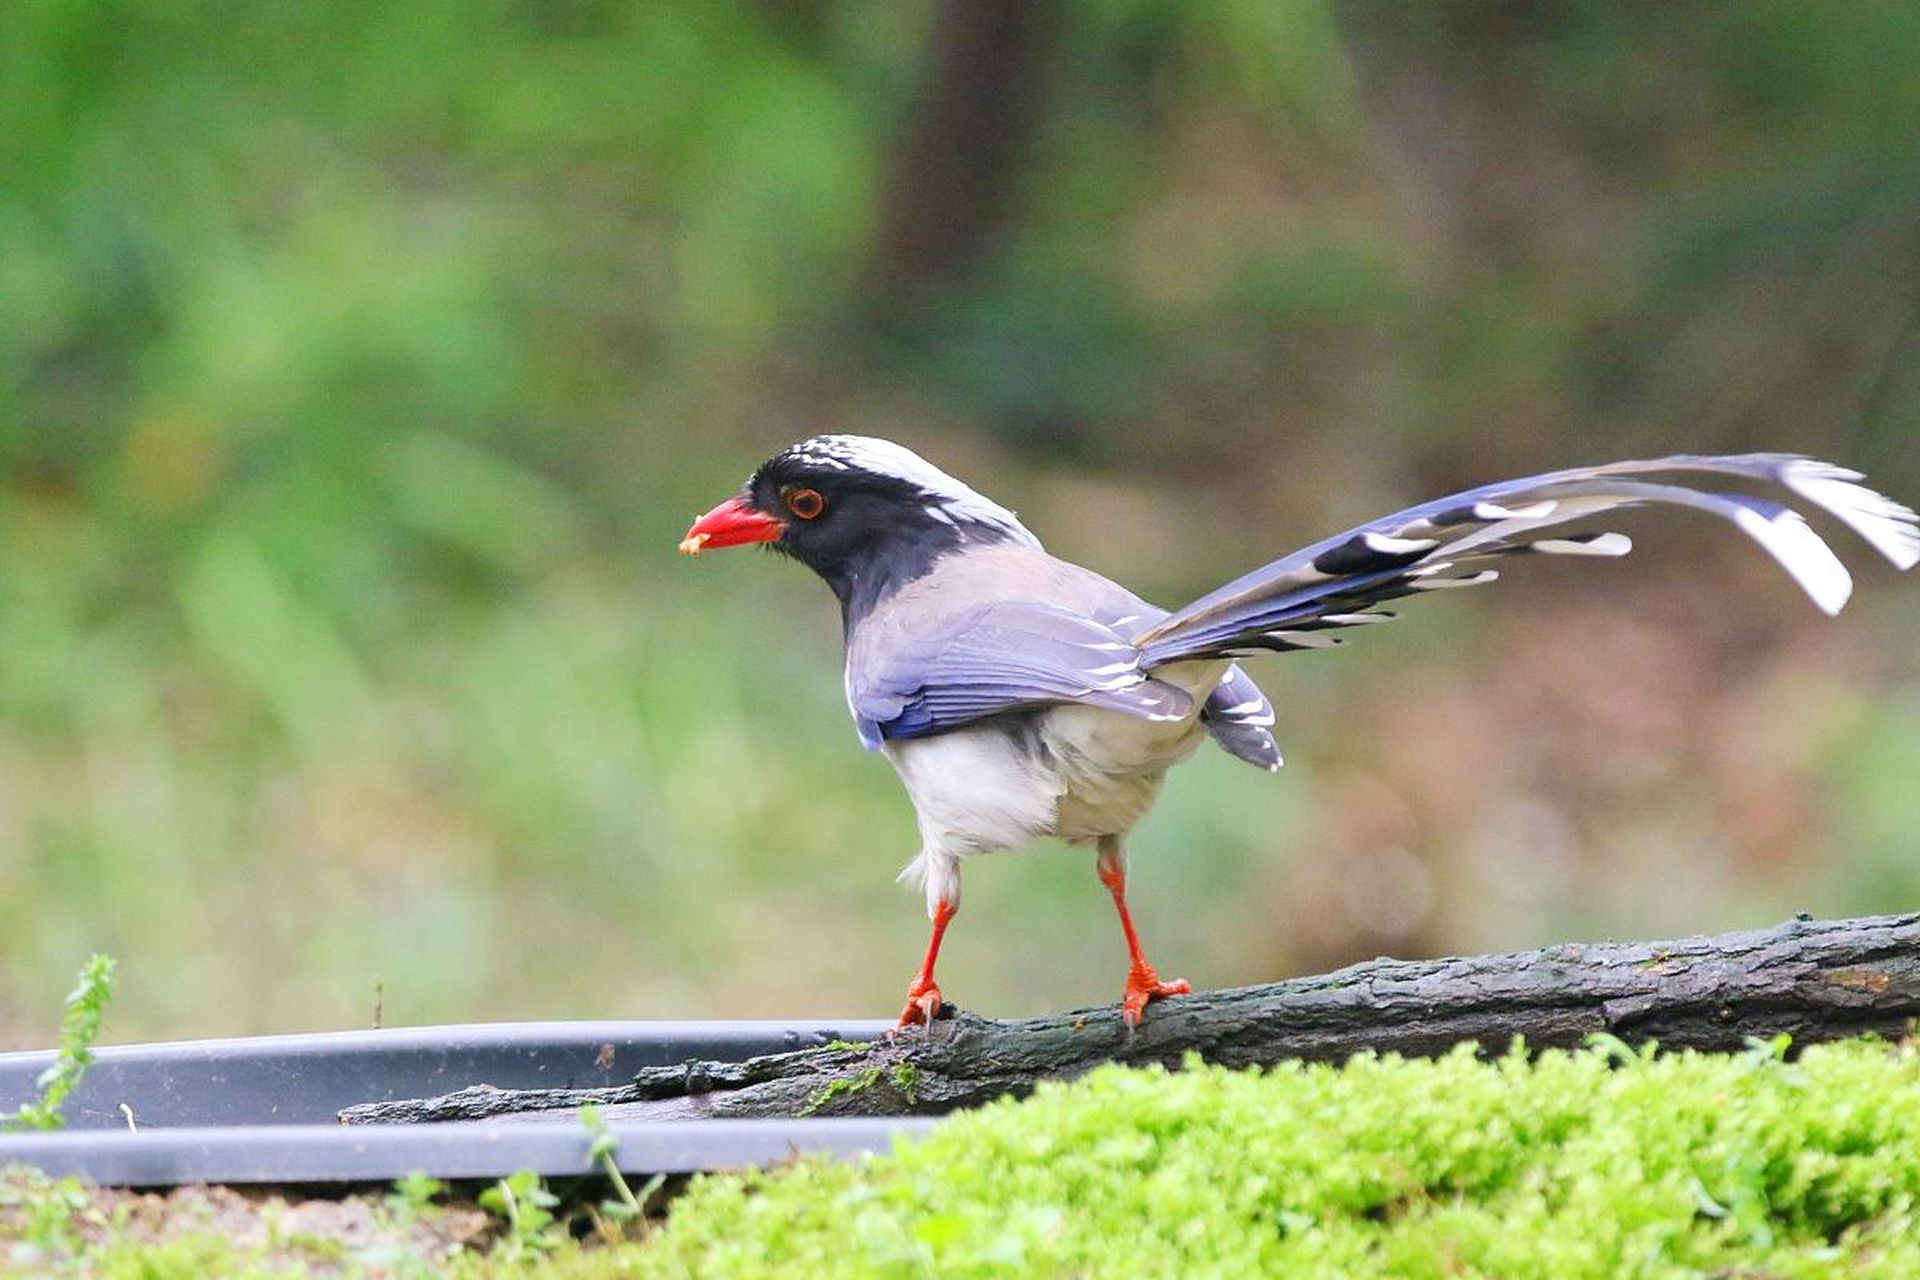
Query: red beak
(731, 524)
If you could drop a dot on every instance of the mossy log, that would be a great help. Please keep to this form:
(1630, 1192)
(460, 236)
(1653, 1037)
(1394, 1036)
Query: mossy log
(1811, 980)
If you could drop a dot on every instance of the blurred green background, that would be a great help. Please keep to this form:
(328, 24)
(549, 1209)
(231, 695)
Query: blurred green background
(361, 363)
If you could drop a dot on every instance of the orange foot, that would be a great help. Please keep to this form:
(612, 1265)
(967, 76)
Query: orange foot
(1143, 984)
(923, 1003)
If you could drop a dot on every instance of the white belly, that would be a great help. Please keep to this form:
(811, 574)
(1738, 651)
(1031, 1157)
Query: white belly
(1073, 771)
(975, 790)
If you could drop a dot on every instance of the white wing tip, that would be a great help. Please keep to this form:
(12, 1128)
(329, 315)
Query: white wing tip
(1493, 511)
(1891, 528)
(1605, 544)
(1422, 583)
(1390, 546)
(1802, 553)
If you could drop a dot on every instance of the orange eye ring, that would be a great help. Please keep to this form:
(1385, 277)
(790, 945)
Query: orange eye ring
(807, 504)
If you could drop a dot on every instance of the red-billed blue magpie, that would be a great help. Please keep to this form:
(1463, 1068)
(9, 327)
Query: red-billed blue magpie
(1019, 696)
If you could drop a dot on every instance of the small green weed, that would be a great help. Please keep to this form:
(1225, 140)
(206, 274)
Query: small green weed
(522, 1201)
(612, 1215)
(414, 1192)
(37, 1218)
(86, 1008)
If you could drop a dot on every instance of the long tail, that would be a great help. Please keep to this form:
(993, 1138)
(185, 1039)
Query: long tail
(1295, 602)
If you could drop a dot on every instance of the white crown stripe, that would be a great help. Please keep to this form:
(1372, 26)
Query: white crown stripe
(949, 499)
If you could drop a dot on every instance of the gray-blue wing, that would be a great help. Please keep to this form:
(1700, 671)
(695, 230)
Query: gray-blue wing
(995, 658)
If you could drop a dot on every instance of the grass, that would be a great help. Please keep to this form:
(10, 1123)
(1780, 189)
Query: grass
(1603, 1163)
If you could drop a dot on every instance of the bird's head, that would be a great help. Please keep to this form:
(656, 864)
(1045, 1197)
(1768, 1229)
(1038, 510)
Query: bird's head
(866, 514)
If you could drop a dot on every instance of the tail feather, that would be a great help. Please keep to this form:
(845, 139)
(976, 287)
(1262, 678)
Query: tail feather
(1241, 719)
(1295, 601)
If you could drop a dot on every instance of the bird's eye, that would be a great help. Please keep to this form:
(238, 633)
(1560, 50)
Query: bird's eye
(805, 503)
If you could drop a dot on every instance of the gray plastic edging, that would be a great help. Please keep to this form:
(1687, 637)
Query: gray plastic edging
(308, 1078)
(264, 1109)
(315, 1153)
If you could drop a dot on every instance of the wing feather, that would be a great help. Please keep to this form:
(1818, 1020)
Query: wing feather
(995, 658)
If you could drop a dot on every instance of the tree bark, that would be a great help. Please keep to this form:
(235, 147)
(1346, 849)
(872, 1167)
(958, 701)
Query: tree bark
(1810, 980)
(952, 174)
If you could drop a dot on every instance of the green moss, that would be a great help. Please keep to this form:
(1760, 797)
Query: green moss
(1572, 1165)
(906, 1080)
(841, 1087)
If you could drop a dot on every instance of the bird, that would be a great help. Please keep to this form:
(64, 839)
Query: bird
(1018, 695)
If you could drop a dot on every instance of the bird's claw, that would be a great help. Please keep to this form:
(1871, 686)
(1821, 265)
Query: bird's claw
(1143, 984)
(923, 1004)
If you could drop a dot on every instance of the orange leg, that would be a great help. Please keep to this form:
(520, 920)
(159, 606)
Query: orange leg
(923, 994)
(1143, 984)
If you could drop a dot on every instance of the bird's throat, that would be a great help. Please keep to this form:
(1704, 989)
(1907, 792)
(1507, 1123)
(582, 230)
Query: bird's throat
(873, 573)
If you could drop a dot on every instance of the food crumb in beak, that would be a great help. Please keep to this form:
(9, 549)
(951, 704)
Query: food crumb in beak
(691, 544)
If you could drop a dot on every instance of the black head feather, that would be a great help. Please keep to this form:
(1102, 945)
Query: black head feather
(884, 516)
